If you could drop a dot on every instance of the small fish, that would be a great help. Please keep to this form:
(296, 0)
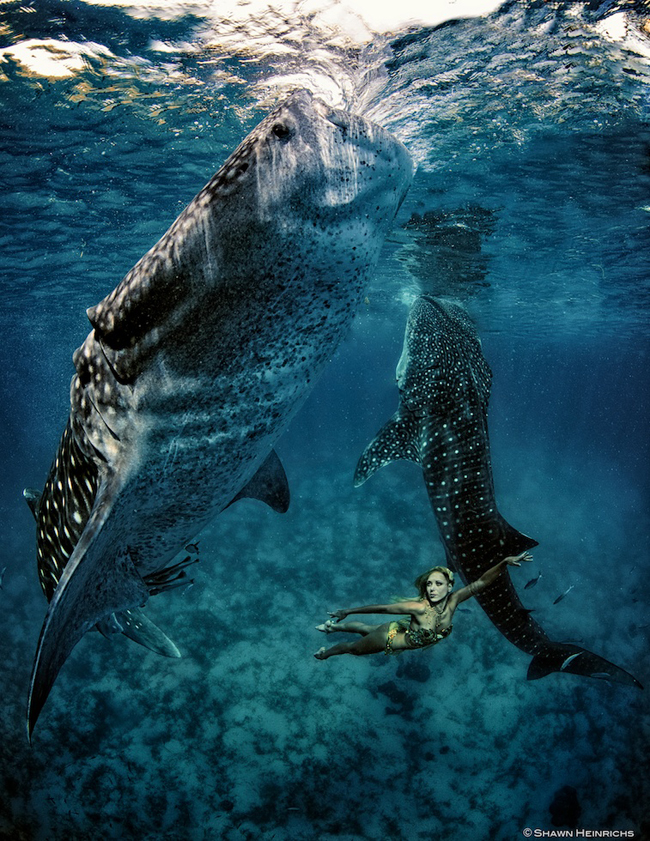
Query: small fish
(533, 581)
(193, 548)
(565, 593)
(569, 660)
(602, 676)
(2, 575)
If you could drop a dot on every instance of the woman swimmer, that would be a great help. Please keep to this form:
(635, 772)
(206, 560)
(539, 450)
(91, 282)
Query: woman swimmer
(430, 620)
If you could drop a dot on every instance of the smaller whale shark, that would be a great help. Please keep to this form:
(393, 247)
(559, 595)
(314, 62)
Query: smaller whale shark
(444, 386)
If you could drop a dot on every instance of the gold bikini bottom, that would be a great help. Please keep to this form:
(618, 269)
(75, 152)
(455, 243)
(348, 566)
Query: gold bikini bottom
(415, 638)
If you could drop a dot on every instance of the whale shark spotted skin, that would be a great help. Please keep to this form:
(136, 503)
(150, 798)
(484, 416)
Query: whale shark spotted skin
(444, 386)
(199, 358)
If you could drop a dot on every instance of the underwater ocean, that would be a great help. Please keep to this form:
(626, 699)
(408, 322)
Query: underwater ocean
(529, 123)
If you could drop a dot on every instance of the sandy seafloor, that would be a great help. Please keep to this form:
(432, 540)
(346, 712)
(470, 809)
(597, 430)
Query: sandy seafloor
(249, 737)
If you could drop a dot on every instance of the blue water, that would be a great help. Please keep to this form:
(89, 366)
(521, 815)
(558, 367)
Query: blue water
(531, 129)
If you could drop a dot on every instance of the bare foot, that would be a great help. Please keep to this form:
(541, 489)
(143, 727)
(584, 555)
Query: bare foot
(320, 654)
(326, 627)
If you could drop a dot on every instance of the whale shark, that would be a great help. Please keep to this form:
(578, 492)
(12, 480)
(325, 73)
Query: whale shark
(197, 361)
(444, 384)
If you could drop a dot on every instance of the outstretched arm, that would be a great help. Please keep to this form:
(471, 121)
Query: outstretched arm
(399, 608)
(490, 575)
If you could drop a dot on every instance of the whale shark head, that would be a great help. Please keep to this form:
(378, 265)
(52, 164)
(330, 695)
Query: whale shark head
(310, 158)
(310, 186)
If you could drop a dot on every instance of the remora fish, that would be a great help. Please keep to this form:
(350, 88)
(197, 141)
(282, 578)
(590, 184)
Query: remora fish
(441, 424)
(200, 357)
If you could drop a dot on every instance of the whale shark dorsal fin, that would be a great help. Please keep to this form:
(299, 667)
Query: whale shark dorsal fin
(269, 485)
(398, 439)
(99, 579)
(138, 627)
(33, 498)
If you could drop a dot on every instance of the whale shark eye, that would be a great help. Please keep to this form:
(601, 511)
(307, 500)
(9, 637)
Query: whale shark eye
(281, 131)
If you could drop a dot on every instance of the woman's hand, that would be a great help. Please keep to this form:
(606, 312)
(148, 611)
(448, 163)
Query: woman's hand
(338, 615)
(515, 561)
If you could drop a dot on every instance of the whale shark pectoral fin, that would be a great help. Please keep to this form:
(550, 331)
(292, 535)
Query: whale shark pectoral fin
(269, 485)
(397, 439)
(97, 581)
(109, 625)
(139, 628)
(563, 657)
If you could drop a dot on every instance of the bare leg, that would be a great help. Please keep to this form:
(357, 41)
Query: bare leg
(346, 627)
(371, 643)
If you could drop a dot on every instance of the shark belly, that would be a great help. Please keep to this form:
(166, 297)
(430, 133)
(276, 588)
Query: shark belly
(203, 437)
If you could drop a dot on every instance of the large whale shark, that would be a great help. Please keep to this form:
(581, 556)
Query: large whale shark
(444, 386)
(197, 361)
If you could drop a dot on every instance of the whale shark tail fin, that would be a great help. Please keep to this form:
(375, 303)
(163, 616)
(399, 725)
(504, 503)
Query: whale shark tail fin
(565, 657)
(396, 440)
(96, 582)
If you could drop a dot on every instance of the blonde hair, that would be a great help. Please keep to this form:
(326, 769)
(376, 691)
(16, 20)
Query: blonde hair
(421, 580)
